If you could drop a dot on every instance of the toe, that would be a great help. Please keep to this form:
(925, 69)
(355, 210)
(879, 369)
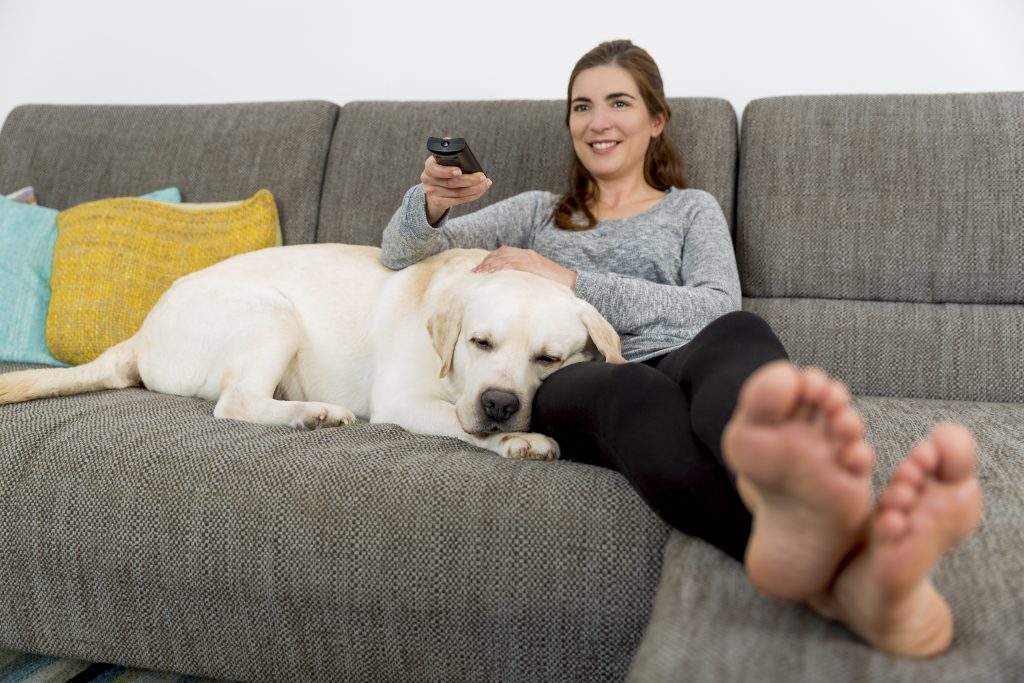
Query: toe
(858, 458)
(815, 385)
(836, 397)
(909, 472)
(771, 394)
(846, 425)
(924, 455)
(956, 451)
(891, 525)
(898, 496)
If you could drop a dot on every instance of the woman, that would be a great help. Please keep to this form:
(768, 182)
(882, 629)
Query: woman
(717, 431)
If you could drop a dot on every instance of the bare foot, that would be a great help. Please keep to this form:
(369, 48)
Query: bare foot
(933, 502)
(804, 471)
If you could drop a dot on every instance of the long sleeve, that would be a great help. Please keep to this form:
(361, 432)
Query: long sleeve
(409, 238)
(661, 316)
(658, 278)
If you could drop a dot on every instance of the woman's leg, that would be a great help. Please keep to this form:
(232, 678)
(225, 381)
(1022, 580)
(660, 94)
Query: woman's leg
(634, 419)
(662, 427)
(713, 367)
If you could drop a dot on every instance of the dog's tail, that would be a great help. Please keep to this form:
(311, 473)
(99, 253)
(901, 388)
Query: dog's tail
(115, 368)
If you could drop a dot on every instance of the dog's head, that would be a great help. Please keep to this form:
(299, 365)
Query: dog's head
(502, 334)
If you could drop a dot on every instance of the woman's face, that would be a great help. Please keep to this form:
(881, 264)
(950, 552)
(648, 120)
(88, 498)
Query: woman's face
(609, 123)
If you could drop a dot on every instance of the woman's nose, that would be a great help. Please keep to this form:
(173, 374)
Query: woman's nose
(599, 121)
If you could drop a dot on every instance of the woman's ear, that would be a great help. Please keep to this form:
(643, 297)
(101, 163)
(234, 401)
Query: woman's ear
(658, 124)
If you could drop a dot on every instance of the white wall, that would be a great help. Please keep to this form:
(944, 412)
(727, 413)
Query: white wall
(132, 51)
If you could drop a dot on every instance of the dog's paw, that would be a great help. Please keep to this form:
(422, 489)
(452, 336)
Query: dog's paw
(526, 446)
(317, 415)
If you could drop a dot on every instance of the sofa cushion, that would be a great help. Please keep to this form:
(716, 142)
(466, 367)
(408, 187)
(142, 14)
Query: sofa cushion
(883, 197)
(213, 153)
(379, 149)
(880, 236)
(964, 352)
(115, 257)
(140, 529)
(711, 624)
(27, 236)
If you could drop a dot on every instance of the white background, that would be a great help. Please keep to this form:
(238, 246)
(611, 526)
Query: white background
(186, 51)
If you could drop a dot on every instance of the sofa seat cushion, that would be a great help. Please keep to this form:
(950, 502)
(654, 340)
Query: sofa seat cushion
(142, 530)
(710, 624)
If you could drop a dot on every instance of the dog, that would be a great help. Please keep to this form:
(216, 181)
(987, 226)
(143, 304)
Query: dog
(318, 335)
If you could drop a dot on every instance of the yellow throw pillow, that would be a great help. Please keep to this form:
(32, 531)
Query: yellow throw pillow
(115, 257)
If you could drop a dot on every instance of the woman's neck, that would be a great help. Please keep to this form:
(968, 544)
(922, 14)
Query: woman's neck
(621, 199)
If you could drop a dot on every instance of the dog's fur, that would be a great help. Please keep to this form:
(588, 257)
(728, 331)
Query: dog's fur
(315, 335)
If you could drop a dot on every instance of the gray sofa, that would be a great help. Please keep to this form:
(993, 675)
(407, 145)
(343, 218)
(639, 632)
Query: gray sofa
(881, 236)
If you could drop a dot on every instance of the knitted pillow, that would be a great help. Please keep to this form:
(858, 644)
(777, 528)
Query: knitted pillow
(27, 235)
(114, 258)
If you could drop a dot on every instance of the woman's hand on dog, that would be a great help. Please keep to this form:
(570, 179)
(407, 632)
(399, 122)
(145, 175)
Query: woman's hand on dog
(447, 186)
(513, 258)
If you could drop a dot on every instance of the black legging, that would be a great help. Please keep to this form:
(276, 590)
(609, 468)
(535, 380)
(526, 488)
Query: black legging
(660, 424)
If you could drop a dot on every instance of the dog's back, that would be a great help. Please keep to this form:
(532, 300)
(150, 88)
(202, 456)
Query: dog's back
(214, 313)
(296, 323)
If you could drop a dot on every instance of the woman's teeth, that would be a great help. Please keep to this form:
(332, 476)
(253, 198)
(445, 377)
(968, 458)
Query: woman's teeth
(603, 145)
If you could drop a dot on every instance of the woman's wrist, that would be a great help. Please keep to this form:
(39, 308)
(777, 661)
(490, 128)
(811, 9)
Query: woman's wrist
(434, 214)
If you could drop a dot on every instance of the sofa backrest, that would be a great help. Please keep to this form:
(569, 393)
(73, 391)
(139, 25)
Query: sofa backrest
(883, 238)
(379, 149)
(221, 152)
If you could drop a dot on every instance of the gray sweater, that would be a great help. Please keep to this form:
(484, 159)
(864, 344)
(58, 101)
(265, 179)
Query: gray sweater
(658, 277)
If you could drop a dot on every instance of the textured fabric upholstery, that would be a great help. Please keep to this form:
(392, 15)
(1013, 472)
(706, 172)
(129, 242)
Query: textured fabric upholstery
(138, 529)
(710, 624)
(884, 197)
(916, 201)
(956, 351)
(212, 153)
(379, 149)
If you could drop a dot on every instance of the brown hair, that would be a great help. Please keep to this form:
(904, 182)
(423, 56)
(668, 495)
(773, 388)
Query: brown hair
(663, 163)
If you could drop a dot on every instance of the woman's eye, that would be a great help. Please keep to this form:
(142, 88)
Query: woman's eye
(616, 104)
(580, 108)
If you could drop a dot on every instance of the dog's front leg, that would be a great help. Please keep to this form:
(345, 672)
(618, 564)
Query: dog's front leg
(435, 417)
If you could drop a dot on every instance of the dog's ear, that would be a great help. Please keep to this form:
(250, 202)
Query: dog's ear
(602, 334)
(444, 327)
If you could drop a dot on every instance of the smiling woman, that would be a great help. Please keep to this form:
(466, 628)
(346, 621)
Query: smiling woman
(714, 428)
(616, 115)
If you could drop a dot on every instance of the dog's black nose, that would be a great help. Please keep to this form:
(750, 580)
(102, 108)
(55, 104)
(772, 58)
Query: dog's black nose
(499, 405)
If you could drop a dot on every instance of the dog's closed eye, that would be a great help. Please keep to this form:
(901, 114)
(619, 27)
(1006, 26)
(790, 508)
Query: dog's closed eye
(481, 343)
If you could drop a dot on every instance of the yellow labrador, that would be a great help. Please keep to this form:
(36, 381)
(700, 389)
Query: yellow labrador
(315, 335)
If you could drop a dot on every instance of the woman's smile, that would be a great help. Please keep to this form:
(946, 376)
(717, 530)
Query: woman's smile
(603, 146)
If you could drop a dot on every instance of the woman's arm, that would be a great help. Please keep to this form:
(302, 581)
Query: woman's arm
(409, 237)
